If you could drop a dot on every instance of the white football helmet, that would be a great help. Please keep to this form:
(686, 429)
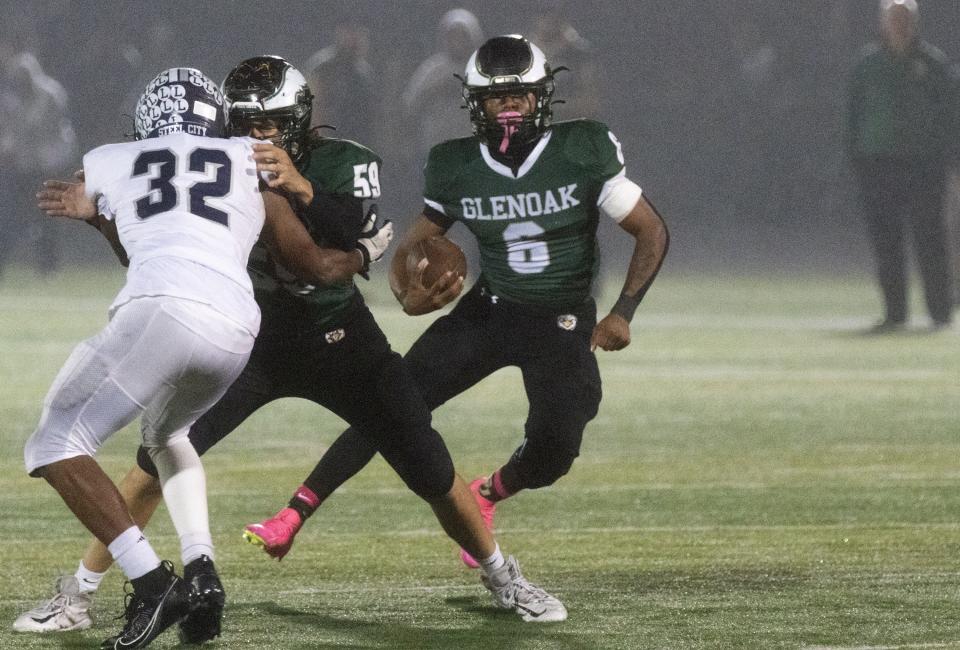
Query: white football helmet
(180, 99)
(509, 65)
(269, 87)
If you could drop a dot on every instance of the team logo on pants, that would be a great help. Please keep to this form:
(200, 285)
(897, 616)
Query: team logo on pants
(335, 336)
(567, 322)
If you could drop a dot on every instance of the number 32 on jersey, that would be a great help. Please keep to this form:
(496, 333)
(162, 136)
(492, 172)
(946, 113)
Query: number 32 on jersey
(162, 166)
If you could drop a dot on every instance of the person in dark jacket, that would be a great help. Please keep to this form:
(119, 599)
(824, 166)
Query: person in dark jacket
(900, 124)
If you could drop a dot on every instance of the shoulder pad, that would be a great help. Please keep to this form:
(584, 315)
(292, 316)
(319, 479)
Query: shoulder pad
(590, 144)
(446, 161)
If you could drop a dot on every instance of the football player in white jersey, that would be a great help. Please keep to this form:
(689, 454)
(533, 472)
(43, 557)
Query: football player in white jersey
(269, 98)
(183, 205)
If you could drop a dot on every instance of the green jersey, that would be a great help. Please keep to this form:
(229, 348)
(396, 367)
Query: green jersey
(536, 230)
(902, 105)
(332, 166)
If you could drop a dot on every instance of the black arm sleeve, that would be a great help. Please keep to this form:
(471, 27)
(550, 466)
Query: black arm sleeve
(438, 217)
(335, 218)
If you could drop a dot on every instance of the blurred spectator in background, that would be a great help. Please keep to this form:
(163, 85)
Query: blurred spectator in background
(37, 141)
(952, 207)
(564, 46)
(952, 215)
(159, 48)
(754, 104)
(343, 84)
(431, 101)
(899, 124)
(431, 104)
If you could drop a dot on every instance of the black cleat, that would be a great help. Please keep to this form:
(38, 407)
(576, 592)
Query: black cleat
(206, 602)
(886, 326)
(148, 617)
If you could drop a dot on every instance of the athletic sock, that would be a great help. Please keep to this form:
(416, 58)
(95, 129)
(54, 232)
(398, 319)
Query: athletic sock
(185, 493)
(494, 562)
(494, 489)
(305, 501)
(195, 545)
(89, 580)
(133, 553)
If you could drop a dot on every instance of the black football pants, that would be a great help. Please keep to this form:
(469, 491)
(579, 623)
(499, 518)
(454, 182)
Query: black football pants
(901, 196)
(480, 336)
(357, 377)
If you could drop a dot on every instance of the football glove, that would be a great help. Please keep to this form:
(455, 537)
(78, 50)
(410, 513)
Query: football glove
(374, 240)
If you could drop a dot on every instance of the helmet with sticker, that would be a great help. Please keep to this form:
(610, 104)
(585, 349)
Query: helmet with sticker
(180, 100)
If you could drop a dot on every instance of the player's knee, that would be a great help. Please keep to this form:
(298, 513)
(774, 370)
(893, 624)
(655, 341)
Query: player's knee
(204, 434)
(542, 460)
(552, 444)
(146, 463)
(545, 469)
(434, 483)
(401, 395)
(45, 447)
(424, 464)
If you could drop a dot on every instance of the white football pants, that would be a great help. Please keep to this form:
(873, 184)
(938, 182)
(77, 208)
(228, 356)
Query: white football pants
(168, 358)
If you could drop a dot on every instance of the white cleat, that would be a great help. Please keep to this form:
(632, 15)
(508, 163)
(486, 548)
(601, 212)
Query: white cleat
(512, 591)
(66, 610)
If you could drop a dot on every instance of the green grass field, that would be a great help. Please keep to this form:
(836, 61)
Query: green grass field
(760, 476)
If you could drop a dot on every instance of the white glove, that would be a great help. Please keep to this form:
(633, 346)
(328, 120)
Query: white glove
(374, 240)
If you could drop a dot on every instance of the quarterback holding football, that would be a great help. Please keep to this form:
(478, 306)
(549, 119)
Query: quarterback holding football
(532, 193)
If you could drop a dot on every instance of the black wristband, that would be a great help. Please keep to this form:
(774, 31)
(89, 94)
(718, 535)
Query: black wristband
(364, 256)
(627, 305)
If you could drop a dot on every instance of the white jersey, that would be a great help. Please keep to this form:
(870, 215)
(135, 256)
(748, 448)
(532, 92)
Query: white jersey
(188, 210)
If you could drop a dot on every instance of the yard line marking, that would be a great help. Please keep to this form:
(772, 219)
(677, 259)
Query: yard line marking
(906, 646)
(707, 371)
(54, 303)
(713, 322)
(590, 530)
(434, 532)
(736, 528)
(890, 481)
(379, 588)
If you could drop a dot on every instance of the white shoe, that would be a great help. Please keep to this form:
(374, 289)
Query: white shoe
(512, 591)
(66, 610)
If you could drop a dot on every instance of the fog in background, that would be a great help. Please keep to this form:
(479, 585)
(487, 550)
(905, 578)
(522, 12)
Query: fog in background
(730, 113)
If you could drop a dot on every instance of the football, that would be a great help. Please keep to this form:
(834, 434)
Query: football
(442, 255)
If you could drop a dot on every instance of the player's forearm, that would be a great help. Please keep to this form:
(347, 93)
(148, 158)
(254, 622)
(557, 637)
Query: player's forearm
(324, 266)
(302, 191)
(652, 240)
(291, 245)
(398, 272)
(335, 218)
(422, 228)
(108, 229)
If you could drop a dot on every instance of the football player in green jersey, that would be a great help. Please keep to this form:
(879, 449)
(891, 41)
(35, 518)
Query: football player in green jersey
(532, 192)
(317, 343)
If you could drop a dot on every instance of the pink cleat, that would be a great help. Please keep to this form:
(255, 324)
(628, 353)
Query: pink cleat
(487, 509)
(275, 535)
